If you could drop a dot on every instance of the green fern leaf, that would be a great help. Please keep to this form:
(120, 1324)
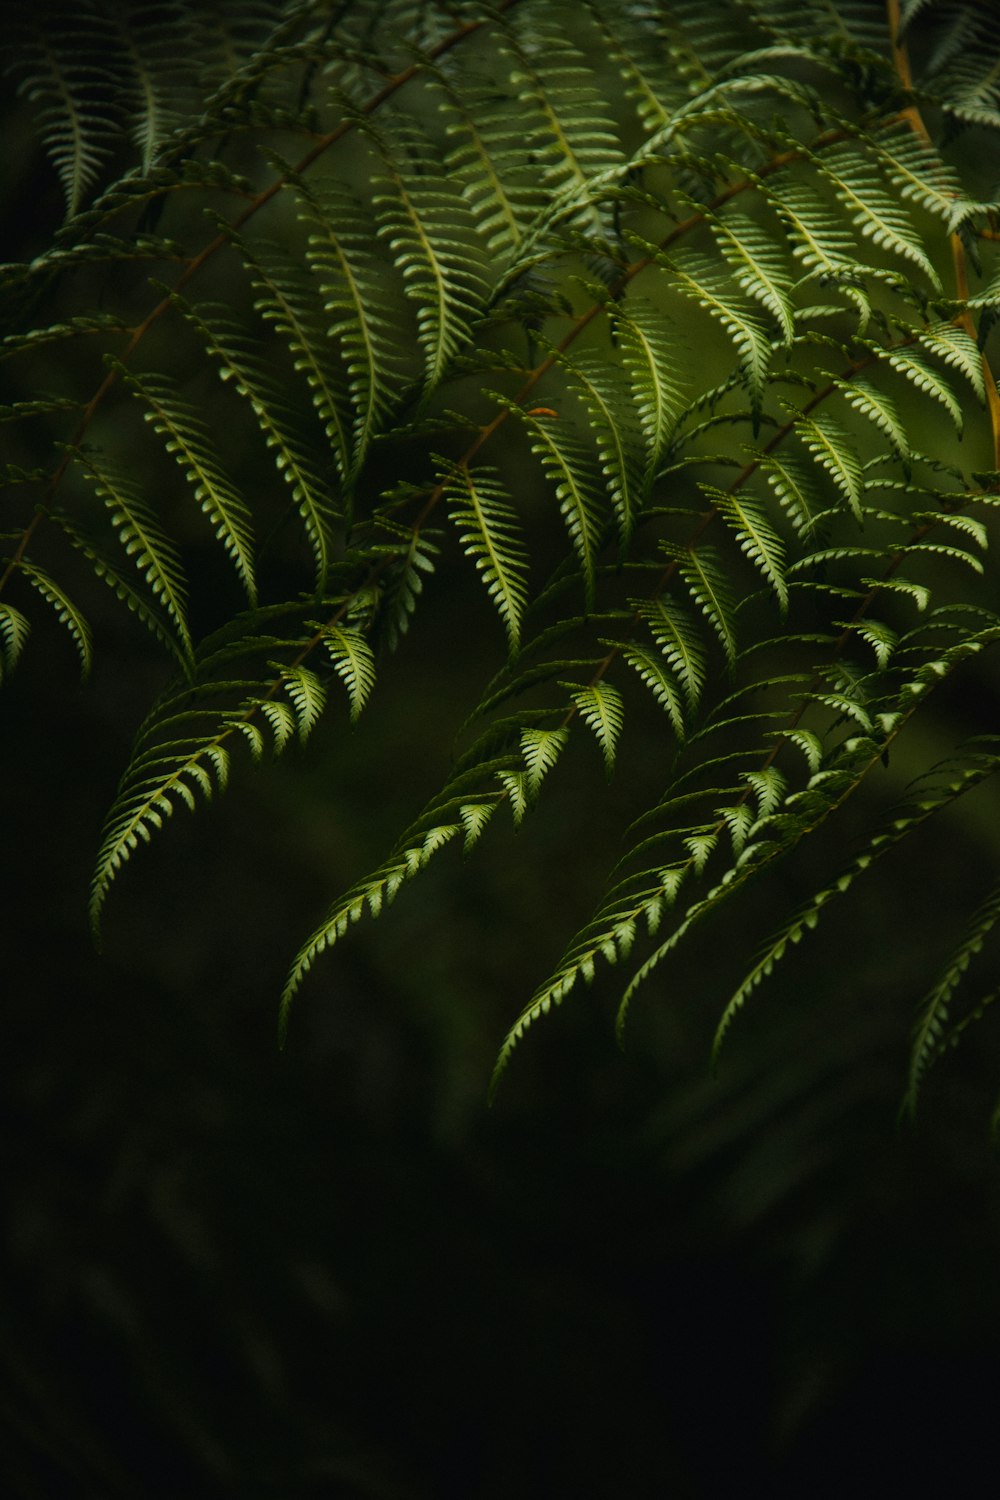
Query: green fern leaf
(246, 366)
(187, 439)
(758, 265)
(792, 488)
(63, 70)
(516, 786)
(489, 532)
(365, 322)
(914, 366)
(600, 388)
(919, 174)
(756, 536)
(653, 361)
(956, 348)
(709, 588)
(601, 708)
(928, 1032)
(133, 600)
(144, 541)
(661, 683)
(873, 210)
(369, 895)
(353, 662)
(678, 638)
(878, 408)
(906, 818)
(475, 816)
(487, 162)
(308, 697)
(567, 467)
(14, 631)
(698, 278)
(541, 749)
(432, 238)
(66, 612)
(833, 451)
(820, 240)
(564, 117)
(290, 304)
(146, 796)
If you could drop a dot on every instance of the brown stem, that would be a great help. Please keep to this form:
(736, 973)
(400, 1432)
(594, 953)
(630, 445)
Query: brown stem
(911, 114)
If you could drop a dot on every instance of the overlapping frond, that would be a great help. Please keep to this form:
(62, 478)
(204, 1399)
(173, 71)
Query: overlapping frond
(671, 324)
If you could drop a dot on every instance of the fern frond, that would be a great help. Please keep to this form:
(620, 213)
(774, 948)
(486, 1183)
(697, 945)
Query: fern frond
(124, 590)
(290, 304)
(156, 99)
(488, 163)
(565, 119)
(749, 523)
(833, 450)
(541, 749)
(653, 361)
(431, 236)
(380, 889)
(66, 612)
(820, 241)
(308, 695)
(880, 410)
(600, 706)
(155, 781)
(696, 277)
(14, 632)
(920, 174)
(243, 362)
(759, 266)
(950, 782)
(364, 321)
(915, 367)
(353, 661)
(879, 217)
(709, 587)
(568, 468)
(61, 67)
(489, 531)
(144, 542)
(187, 439)
(603, 393)
(679, 640)
(661, 683)
(958, 349)
(932, 1015)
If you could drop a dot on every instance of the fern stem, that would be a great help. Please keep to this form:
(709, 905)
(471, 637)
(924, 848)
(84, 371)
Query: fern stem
(913, 117)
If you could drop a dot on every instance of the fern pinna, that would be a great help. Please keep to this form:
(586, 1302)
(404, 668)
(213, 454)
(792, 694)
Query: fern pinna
(715, 282)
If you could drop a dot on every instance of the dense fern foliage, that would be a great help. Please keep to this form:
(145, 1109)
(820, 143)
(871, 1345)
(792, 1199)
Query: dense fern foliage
(670, 322)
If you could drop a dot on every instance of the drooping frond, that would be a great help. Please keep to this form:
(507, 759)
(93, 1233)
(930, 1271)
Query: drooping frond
(61, 66)
(361, 318)
(489, 532)
(186, 438)
(432, 242)
(601, 709)
(673, 327)
(931, 1034)
(144, 542)
(565, 464)
(243, 361)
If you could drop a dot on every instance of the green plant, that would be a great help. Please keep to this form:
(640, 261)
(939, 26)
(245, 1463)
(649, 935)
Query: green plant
(670, 322)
